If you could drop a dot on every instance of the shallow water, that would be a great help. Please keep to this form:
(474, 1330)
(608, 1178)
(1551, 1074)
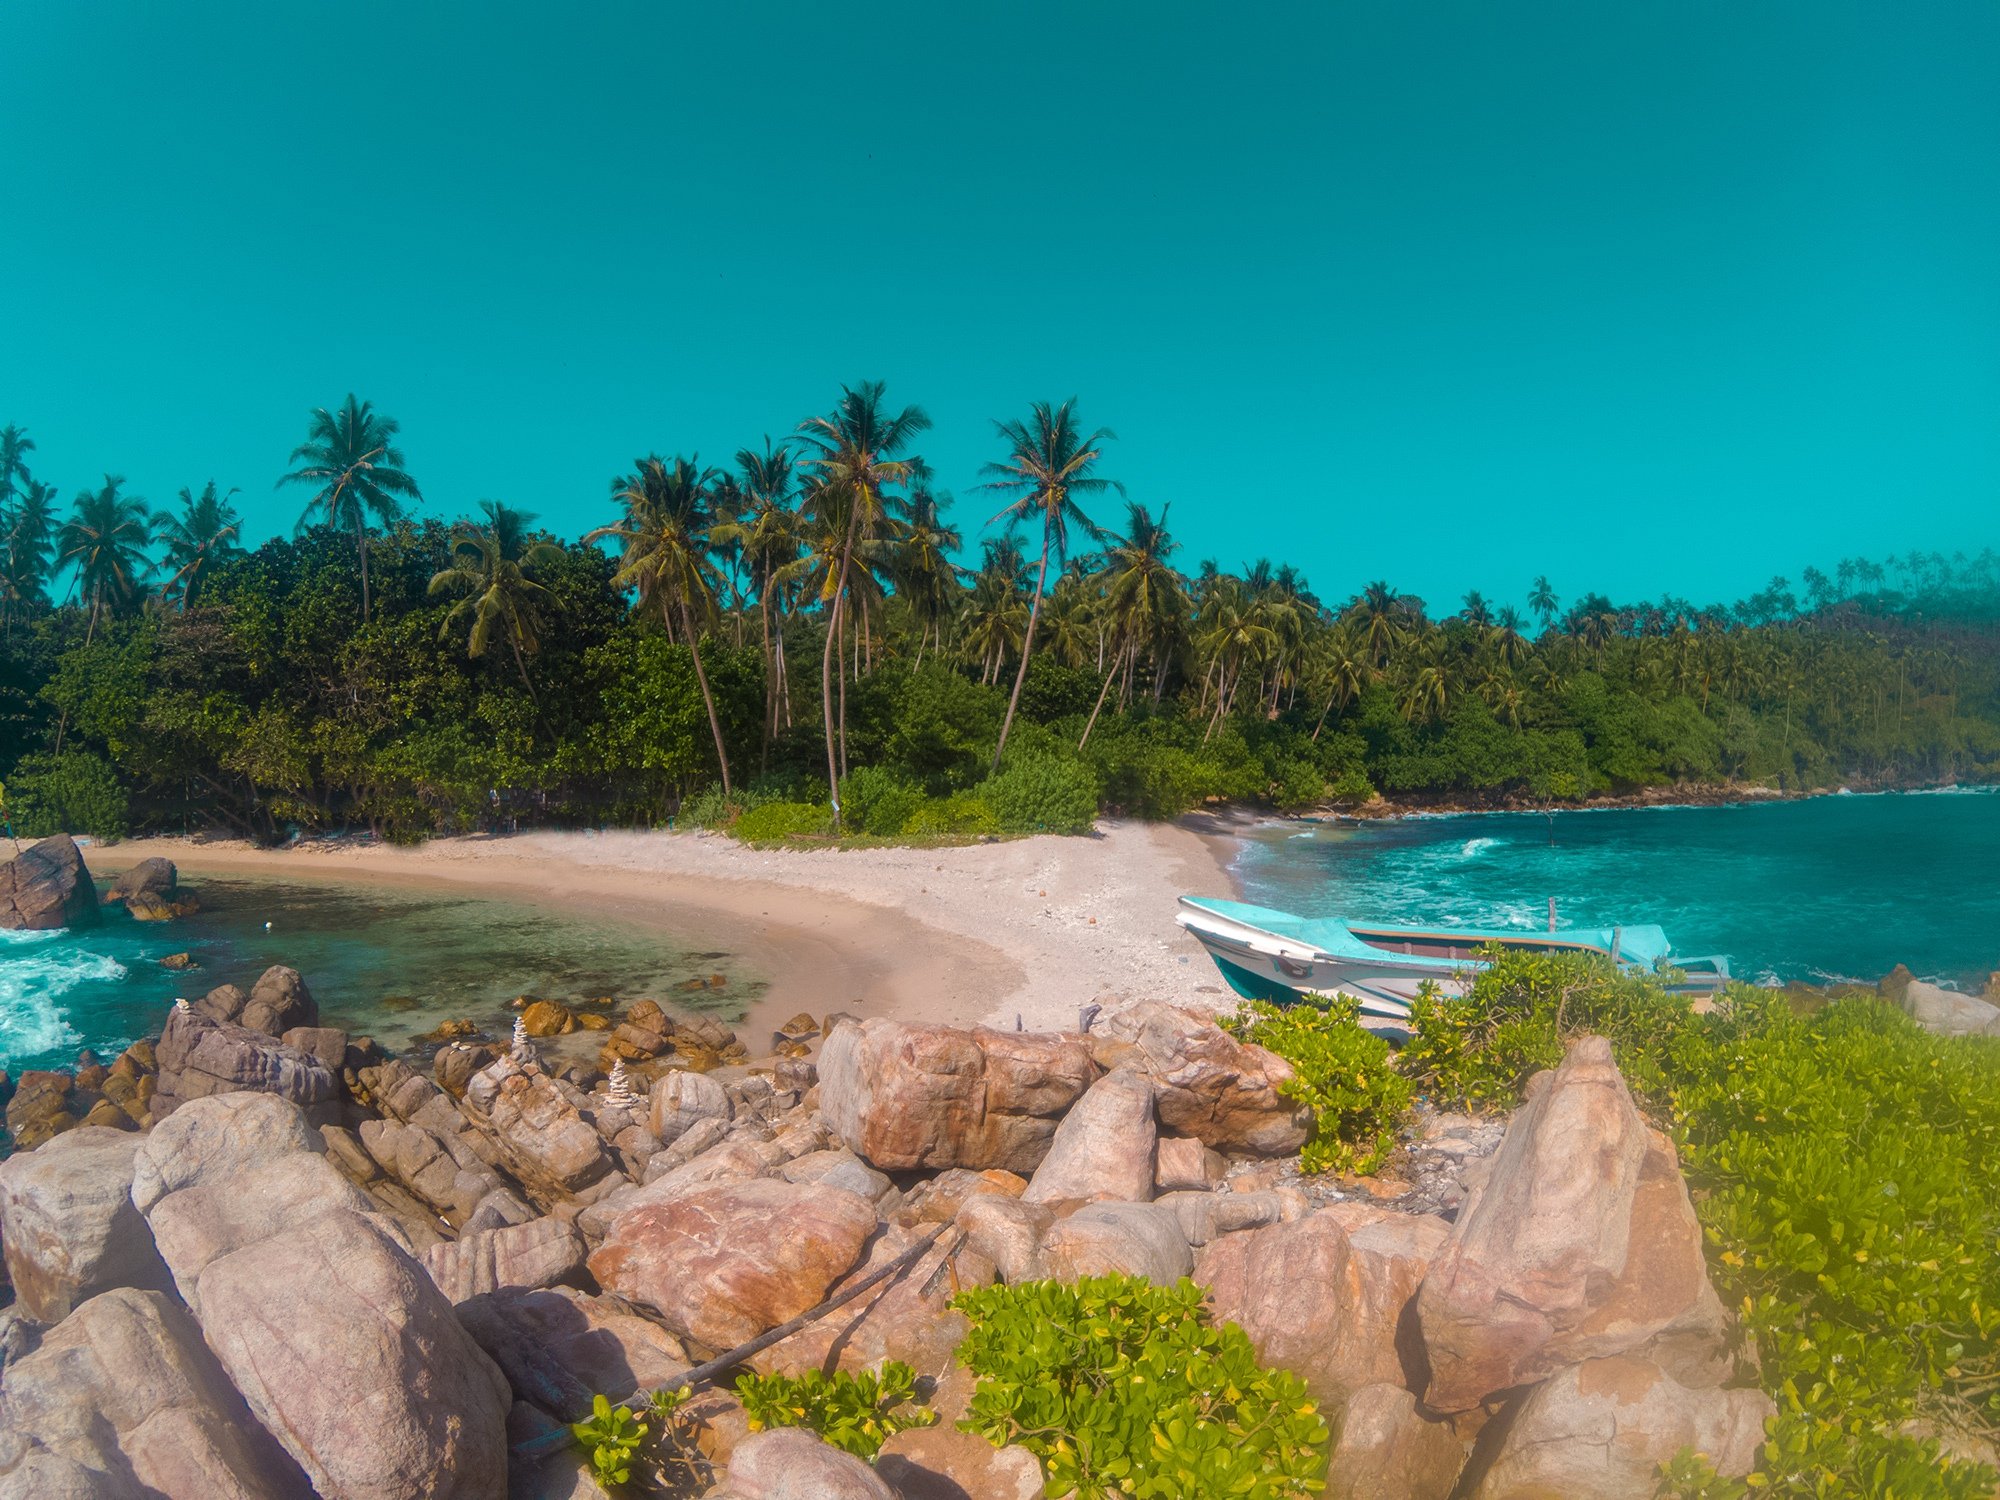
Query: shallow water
(390, 964)
(1829, 888)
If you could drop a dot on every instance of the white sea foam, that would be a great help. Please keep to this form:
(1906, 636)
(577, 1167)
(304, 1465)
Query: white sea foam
(36, 970)
(1473, 848)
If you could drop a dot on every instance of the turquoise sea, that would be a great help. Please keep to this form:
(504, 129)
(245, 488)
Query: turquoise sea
(1828, 888)
(390, 964)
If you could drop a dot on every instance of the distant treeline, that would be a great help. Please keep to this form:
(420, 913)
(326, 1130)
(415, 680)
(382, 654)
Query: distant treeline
(798, 622)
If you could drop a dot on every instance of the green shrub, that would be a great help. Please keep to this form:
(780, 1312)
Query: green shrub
(1121, 1387)
(611, 1436)
(1043, 794)
(1295, 783)
(1153, 781)
(74, 792)
(1344, 1073)
(964, 815)
(875, 800)
(711, 809)
(775, 821)
(855, 1413)
(1840, 1164)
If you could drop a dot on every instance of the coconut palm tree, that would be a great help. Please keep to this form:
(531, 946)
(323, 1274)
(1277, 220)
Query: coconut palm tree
(1050, 462)
(492, 569)
(926, 577)
(351, 460)
(1146, 601)
(202, 535)
(105, 541)
(1543, 601)
(853, 458)
(664, 537)
(15, 446)
(764, 530)
(25, 548)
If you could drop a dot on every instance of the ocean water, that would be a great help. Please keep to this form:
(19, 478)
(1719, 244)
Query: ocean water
(1828, 888)
(390, 964)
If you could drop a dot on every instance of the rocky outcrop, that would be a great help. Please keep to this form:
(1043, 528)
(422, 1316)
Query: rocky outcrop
(1183, 1164)
(46, 885)
(1580, 1243)
(1387, 1450)
(841, 1169)
(538, 1253)
(42, 1108)
(1329, 1303)
(275, 1004)
(560, 1347)
(1104, 1146)
(344, 1348)
(550, 1147)
(903, 1096)
(1139, 1239)
(1210, 1086)
(942, 1463)
(1603, 1428)
(790, 1463)
(1947, 1012)
(68, 1224)
(723, 1264)
(125, 1391)
(1007, 1232)
(200, 1056)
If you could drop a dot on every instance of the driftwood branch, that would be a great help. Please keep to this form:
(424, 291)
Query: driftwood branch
(704, 1374)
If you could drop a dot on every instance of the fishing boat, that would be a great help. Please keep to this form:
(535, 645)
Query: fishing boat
(1274, 955)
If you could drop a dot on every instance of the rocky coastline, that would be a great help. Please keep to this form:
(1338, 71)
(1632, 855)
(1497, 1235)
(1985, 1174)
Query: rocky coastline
(1679, 794)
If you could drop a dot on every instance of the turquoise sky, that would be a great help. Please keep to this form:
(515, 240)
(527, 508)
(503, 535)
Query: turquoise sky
(1648, 297)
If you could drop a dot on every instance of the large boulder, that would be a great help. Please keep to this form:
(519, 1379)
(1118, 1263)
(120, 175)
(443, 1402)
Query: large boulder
(1947, 1012)
(68, 1224)
(200, 1056)
(559, 1347)
(1579, 1243)
(213, 1138)
(549, 1144)
(1604, 1427)
(46, 885)
(125, 1390)
(790, 1463)
(1387, 1450)
(538, 1253)
(904, 1096)
(279, 1001)
(149, 877)
(682, 1098)
(942, 1463)
(1325, 1301)
(1137, 1239)
(723, 1264)
(347, 1351)
(1104, 1146)
(1222, 1092)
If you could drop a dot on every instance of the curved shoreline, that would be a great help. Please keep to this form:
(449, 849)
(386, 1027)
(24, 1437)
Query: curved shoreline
(1027, 931)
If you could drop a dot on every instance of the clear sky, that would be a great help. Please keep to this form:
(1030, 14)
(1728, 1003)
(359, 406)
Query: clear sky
(1650, 297)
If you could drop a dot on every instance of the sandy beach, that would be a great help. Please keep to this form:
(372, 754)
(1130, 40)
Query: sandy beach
(1030, 928)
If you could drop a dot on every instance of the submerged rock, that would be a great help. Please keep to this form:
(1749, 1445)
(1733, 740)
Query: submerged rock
(47, 885)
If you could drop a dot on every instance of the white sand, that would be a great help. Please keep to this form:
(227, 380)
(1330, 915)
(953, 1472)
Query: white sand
(1033, 928)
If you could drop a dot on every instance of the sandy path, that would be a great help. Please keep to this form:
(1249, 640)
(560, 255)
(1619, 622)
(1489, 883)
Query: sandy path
(1032, 928)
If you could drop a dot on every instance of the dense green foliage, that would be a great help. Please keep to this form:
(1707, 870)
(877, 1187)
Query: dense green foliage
(801, 625)
(1345, 1074)
(1124, 1388)
(855, 1413)
(1841, 1167)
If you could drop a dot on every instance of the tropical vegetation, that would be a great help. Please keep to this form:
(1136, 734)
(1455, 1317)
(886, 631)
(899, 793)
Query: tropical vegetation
(386, 669)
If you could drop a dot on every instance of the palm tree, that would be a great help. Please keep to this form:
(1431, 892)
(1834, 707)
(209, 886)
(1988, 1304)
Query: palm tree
(202, 535)
(492, 570)
(1543, 601)
(105, 541)
(1385, 617)
(926, 577)
(664, 534)
(1146, 601)
(25, 548)
(15, 446)
(853, 458)
(765, 533)
(1050, 461)
(351, 457)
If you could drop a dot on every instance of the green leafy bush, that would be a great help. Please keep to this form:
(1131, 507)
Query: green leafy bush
(855, 1413)
(1344, 1073)
(1841, 1167)
(963, 815)
(74, 792)
(1121, 1387)
(611, 1436)
(775, 821)
(1043, 794)
(875, 800)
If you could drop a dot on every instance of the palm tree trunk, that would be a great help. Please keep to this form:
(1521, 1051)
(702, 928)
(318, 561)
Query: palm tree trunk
(843, 703)
(361, 550)
(701, 677)
(1109, 678)
(1027, 646)
(826, 698)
